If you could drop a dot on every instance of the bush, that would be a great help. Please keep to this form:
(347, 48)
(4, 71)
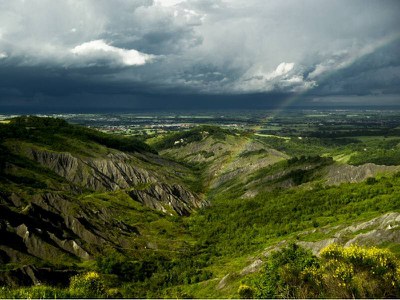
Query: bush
(87, 285)
(341, 272)
(360, 272)
(284, 275)
(245, 292)
(125, 269)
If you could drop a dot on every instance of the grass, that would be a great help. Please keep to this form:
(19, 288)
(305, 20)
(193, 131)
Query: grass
(191, 255)
(153, 227)
(236, 227)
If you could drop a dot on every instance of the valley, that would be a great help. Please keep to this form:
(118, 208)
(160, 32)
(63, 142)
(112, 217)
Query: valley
(193, 205)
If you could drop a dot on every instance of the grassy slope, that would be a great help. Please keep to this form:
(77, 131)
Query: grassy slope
(234, 230)
(227, 236)
(159, 233)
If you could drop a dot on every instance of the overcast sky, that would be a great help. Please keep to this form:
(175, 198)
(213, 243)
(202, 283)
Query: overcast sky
(127, 52)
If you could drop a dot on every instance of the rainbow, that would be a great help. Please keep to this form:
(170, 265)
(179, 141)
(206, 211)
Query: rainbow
(349, 62)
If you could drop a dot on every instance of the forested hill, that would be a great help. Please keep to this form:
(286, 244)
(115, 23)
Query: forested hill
(206, 212)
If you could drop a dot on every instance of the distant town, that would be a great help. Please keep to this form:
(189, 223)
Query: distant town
(291, 123)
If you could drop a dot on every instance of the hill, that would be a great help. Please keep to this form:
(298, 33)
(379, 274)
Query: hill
(196, 214)
(69, 194)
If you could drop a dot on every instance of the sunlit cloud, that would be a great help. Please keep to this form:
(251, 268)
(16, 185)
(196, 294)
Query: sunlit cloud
(95, 50)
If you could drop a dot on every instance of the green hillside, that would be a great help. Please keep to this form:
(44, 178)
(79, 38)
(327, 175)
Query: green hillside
(208, 214)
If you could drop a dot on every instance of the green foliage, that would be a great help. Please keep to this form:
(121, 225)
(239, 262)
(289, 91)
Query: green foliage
(360, 272)
(54, 133)
(236, 226)
(207, 154)
(154, 272)
(303, 159)
(246, 292)
(375, 149)
(377, 156)
(311, 146)
(251, 153)
(87, 285)
(381, 151)
(371, 180)
(229, 229)
(125, 269)
(192, 135)
(283, 275)
(298, 169)
(34, 292)
(351, 272)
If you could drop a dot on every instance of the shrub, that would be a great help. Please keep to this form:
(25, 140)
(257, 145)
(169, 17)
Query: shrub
(341, 272)
(360, 272)
(245, 292)
(87, 285)
(125, 269)
(284, 274)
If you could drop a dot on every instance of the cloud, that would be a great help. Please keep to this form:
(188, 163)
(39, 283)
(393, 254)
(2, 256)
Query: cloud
(281, 70)
(284, 78)
(94, 50)
(200, 46)
(374, 72)
(167, 3)
(346, 58)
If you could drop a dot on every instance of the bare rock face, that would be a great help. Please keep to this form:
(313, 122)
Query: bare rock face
(382, 229)
(56, 224)
(46, 231)
(373, 232)
(253, 267)
(224, 281)
(117, 171)
(337, 174)
(165, 198)
(50, 228)
(108, 174)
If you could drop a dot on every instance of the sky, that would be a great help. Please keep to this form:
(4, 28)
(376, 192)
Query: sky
(138, 54)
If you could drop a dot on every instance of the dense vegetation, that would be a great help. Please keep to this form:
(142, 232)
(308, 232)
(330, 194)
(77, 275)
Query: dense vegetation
(360, 150)
(57, 134)
(236, 227)
(193, 135)
(352, 272)
(194, 253)
(292, 272)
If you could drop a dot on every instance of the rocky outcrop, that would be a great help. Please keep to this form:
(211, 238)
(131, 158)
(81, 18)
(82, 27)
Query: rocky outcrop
(51, 227)
(253, 267)
(341, 173)
(100, 174)
(382, 229)
(118, 171)
(166, 198)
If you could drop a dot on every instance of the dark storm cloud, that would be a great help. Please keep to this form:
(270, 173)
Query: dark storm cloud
(172, 49)
(377, 72)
